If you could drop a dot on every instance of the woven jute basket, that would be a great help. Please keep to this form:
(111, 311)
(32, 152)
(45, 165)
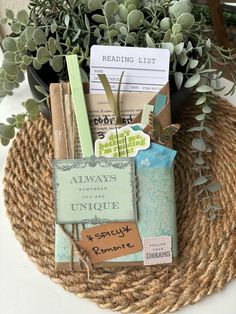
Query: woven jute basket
(207, 250)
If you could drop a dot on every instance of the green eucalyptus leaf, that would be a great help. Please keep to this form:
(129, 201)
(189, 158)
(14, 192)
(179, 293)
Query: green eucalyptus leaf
(32, 117)
(86, 41)
(200, 117)
(111, 8)
(4, 141)
(129, 39)
(87, 23)
(10, 78)
(3, 20)
(206, 109)
(99, 18)
(97, 32)
(18, 58)
(208, 43)
(204, 89)
(84, 75)
(94, 5)
(131, 8)
(122, 12)
(37, 65)
(179, 38)
(192, 81)
(23, 17)
(165, 24)
(9, 56)
(179, 77)
(22, 38)
(10, 68)
(209, 131)
(135, 19)
(167, 36)
(189, 47)
(31, 45)
(214, 187)
(68, 42)
(8, 86)
(199, 50)
(9, 44)
(9, 14)
(176, 28)
(16, 27)
(149, 41)
(67, 20)
(193, 63)
(124, 31)
(32, 106)
(20, 118)
(23, 67)
(199, 144)
(134, 2)
(27, 60)
(43, 55)
(39, 37)
(51, 46)
(76, 35)
(113, 33)
(199, 181)
(41, 90)
(59, 47)
(182, 58)
(169, 46)
(201, 100)
(179, 48)
(196, 129)
(11, 120)
(54, 27)
(57, 63)
(199, 161)
(186, 20)
(180, 7)
(20, 46)
(20, 77)
(7, 131)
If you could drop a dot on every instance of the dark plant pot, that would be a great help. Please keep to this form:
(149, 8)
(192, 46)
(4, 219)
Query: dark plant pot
(179, 99)
(42, 77)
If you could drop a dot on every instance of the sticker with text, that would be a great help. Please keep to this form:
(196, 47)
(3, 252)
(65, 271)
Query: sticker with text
(95, 190)
(109, 241)
(157, 250)
(123, 142)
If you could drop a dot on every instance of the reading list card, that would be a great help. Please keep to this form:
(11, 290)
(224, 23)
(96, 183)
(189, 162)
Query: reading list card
(146, 69)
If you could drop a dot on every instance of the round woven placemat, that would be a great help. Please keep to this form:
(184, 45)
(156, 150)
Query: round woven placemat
(207, 250)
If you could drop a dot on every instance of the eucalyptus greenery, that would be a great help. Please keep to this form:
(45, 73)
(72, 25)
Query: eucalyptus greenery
(54, 29)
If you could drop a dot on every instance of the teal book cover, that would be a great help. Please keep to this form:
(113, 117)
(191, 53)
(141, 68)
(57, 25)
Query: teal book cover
(156, 204)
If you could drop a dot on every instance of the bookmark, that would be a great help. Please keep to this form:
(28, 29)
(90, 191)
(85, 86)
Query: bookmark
(80, 106)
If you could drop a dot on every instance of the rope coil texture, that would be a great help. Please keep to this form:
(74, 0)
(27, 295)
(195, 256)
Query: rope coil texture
(207, 250)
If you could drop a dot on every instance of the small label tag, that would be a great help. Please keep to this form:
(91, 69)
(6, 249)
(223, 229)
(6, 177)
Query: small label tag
(111, 240)
(157, 250)
(124, 142)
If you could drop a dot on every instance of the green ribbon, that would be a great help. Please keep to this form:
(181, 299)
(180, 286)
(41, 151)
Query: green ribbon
(114, 103)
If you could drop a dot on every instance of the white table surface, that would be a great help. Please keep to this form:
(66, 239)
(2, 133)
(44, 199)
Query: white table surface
(24, 290)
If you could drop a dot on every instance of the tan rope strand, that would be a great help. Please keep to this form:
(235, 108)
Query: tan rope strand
(207, 255)
(82, 254)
